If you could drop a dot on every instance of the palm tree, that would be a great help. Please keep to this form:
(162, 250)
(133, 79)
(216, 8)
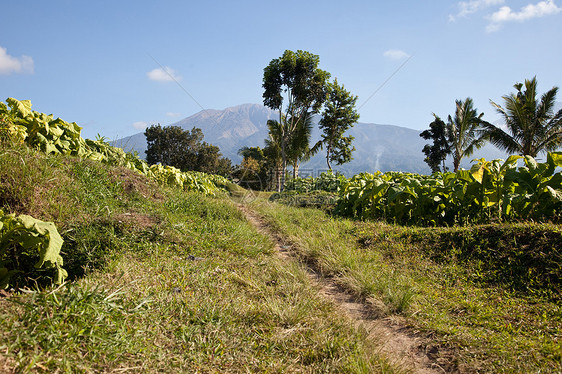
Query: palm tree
(462, 131)
(532, 127)
(299, 146)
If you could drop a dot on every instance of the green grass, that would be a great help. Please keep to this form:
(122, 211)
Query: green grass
(161, 281)
(491, 294)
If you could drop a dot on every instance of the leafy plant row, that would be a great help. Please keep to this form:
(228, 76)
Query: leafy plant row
(27, 243)
(489, 191)
(21, 124)
(327, 181)
(30, 248)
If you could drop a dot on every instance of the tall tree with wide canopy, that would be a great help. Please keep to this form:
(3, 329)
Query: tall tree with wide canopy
(531, 126)
(462, 131)
(338, 116)
(295, 80)
(172, 145)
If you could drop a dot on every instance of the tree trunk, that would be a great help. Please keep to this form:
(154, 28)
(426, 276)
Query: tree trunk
(328, 149)
(295, 169)
(283, 167)
(457, 160)
(277, 178)
(281, 186)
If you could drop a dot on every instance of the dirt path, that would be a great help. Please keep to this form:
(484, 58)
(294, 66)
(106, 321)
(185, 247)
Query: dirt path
(400, 345)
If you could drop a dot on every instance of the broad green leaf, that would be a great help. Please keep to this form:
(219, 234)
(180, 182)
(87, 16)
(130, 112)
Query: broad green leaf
(22, 108)
(555, 194)
(555, 158)
(477, 172)
(50, 252)
(531, 163)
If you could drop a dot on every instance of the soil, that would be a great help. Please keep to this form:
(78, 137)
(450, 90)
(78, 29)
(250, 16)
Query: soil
(401, 345)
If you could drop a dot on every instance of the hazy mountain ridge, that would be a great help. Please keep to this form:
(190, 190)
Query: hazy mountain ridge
(378, 147)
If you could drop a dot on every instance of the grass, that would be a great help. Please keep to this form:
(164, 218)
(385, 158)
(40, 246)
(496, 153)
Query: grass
(161, 281)
(464, 287)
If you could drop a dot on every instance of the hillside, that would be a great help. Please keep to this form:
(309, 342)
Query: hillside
(160, 281)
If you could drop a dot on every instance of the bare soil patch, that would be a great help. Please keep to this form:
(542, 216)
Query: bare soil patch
(133, 182)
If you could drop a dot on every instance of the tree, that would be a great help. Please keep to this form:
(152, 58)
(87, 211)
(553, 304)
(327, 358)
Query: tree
(272, 151)
(171, 145)
(532, 126)
(209, 160)
(338, 116)
(299, 147)
(438, 151)
(462, 131)
(295, 77)
(459, 136)
(254, 168)
(185, 150)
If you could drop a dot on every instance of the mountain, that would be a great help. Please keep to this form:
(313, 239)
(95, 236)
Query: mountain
(229, 129)
(378, 147)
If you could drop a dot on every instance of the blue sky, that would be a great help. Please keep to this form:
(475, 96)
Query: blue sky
(99, 63)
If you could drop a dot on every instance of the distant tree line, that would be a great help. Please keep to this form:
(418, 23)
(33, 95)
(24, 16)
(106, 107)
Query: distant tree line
(298, 89)
(530, 126)
(185, 150)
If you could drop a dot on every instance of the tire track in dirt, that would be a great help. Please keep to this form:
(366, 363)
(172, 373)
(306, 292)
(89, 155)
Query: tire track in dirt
(399, 344)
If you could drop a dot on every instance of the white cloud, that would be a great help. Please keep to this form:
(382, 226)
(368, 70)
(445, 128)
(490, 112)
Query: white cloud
(395, 54)
(173, 114)
(140, 125)
(505, 14)
(164, 74)
(10, 64)
(473, 6)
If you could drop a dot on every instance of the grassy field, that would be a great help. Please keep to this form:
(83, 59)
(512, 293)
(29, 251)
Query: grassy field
(161, 282)
(490, 294)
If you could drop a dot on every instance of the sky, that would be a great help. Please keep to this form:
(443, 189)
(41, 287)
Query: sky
(115, 67)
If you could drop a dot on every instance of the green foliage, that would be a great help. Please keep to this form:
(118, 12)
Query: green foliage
(295, 80)
(520, 257)
(313, 199)
(532, 125)
(327, 181)
(28, 244)
(185, 150)
(189, 180)
(254, 170)
(55, 136)
(462, 131)
(458, 137)
(436, 153)
(338, 116)
(297, 75)
(29, 248)
(491, 190)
